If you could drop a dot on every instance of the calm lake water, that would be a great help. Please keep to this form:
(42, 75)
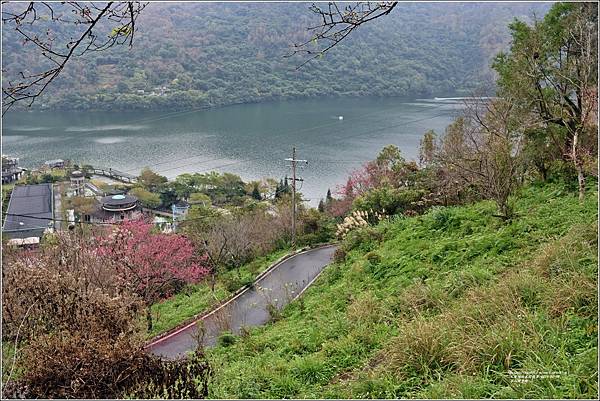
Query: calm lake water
(250, 140)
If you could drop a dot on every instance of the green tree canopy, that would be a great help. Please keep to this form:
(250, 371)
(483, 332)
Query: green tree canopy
(151, 180)
(146, 198)
(551, 71)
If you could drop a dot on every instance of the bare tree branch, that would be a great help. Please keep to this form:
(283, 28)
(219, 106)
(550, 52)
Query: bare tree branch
(336, 24)
(118, 17)
(16, 350)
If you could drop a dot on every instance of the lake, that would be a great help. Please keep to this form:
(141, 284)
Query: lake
(251, 140)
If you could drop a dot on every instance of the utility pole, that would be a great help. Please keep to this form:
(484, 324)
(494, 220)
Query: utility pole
(293, 160)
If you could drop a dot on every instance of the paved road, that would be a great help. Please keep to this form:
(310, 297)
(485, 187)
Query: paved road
(251, 307)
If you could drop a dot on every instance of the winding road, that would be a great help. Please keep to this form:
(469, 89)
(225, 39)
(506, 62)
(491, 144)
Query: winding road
(280, 285)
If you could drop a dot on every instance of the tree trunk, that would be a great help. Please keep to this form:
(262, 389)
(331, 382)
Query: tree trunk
(543, 171)
(213, 279)
(149, 317)
(581, 180)
(578, 165)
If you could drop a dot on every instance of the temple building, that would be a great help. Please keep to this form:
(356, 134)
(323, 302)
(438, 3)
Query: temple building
(116, 208)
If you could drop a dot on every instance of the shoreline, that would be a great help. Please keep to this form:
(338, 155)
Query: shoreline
(443, 96)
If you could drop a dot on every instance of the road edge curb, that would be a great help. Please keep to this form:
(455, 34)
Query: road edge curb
(202, 315)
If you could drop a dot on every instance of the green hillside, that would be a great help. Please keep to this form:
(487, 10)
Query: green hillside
(217, 54)
(454, 303)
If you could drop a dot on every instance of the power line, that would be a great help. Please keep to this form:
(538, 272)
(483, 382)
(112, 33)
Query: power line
(372, 131)
(206, 161)
(133, 169)
(381, 128)
(339, 161)
(213, 167)
(87, 222)
(318, 160)
(257, 158)
(288, 133)
(53, 219)
(294, 161)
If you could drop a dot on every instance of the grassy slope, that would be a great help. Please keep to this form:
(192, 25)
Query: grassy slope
(445, 306)
(198, 298)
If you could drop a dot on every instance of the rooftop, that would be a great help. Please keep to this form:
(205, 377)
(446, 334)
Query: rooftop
(118, 202)
(33, 201)
(181, 204)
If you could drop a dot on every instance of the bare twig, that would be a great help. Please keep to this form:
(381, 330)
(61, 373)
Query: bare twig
(336, 24)
(14, 362)
(119, 18)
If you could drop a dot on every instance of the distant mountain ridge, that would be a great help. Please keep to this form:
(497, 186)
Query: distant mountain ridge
(191, 55)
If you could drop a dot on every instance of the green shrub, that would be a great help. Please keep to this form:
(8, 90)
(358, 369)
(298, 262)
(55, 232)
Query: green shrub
(317, 228)
(284, 386)
(364, 239)
(373, 257)
(226, 339)
(388, 200)
(366, 309)
(444, 218)
(234, 282)
(418, 299)
(274, 312)
(339, 256)
(310, 370)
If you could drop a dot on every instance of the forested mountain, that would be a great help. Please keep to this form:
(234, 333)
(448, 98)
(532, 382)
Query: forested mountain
(195, 55)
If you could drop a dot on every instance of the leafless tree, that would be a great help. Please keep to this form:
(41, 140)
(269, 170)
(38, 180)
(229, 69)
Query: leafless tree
(214, 245)
(234, 240)
(337, 23)
(97, 27)
(482, 150)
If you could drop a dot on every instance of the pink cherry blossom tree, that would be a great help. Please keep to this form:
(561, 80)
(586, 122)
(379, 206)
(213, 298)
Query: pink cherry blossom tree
(388, 169)
(153, 265)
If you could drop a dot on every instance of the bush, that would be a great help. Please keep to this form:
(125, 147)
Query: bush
(226, 339)
(419, 299)
(146, 198)
(373, 257)
(47, 178)
(387, 200)
(317, 228)
(78, 331)
(339, 256)
(310, 370)
(364, 239)
(444, 219)
(365, 309)
(234, 282)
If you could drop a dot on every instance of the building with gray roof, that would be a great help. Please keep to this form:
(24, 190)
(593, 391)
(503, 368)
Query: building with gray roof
(29, 212)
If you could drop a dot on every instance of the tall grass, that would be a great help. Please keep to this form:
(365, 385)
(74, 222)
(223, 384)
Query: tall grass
(454, 303)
